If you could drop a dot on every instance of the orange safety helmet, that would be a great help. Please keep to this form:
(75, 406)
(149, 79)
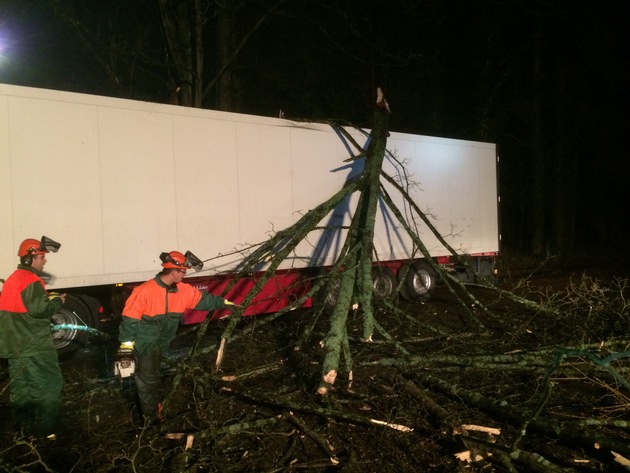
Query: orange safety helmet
(173, 260)
(31, 246)
(177, 260)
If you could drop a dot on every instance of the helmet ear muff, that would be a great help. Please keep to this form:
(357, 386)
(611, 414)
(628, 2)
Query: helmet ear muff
(165, 257)
(173, 260)
(27, 259)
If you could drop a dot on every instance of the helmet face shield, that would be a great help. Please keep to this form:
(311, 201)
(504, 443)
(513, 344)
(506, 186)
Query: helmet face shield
(49, 244)
(193, 262)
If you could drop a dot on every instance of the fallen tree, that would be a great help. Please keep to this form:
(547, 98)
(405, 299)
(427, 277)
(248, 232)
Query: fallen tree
(351, 278)
(513, 377)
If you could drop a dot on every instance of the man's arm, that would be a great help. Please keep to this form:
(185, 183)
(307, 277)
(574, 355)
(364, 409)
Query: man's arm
(210, 302)
(37, 302)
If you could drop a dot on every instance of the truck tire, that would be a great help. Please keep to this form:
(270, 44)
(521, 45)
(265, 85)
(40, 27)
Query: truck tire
(384, 282)
(75, 311)
(417, 281)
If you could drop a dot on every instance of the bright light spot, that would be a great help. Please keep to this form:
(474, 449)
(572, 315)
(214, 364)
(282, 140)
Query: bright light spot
(4, 44)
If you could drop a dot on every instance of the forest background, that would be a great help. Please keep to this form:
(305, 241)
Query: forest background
(542, 79)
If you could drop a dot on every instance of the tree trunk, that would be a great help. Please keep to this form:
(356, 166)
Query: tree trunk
(182, 23)
(226, 82)
(564, 190)
(367, 216)
(198, 58)
(360, 236)
(538, 188)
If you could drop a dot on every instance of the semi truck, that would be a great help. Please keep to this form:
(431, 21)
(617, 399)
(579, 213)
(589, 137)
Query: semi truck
(117, 182)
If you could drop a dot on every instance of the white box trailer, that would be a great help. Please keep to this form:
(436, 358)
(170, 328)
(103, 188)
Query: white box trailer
(117, 182)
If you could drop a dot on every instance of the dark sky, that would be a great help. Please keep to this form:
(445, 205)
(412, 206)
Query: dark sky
(440, 62)
(546, 77)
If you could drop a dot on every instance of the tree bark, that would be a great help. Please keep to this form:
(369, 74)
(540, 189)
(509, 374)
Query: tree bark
(361, 237)
(538, 187)
(182, 23)
(499, 409)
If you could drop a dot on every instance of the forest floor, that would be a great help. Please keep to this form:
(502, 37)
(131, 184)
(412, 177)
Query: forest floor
(448, 385)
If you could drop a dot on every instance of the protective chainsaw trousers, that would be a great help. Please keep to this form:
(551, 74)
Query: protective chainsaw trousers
(36, 384)
(149, 384)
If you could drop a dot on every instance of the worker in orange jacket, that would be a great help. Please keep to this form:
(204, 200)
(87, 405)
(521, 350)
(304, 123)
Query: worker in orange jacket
(150, 320)
(26, 340)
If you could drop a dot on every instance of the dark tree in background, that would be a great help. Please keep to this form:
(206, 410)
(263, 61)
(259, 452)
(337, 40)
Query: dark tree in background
(182, 27)
(546, 81)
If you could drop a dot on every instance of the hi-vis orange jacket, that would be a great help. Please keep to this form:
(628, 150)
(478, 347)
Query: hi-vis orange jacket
(154, 311)
(25, 312)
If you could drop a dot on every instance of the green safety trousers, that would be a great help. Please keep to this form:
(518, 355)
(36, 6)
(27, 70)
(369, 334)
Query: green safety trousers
(149, 384)
(36, 384)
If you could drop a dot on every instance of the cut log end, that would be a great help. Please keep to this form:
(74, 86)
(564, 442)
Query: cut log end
(330, 377)
(380, 100)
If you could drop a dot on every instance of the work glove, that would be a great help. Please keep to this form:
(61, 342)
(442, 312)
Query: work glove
(126, 346)
(124, 362)
(56, 295)
(231, 306)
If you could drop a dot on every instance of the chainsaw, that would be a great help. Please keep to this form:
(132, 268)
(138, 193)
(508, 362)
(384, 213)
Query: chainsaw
(125, 362)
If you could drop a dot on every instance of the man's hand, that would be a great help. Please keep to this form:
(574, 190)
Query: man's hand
(231, 306)
(56, 295)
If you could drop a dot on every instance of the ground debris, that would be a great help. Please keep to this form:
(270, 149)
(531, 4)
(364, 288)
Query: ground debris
(534, 394)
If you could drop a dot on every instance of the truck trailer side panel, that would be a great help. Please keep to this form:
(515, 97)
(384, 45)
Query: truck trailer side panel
(118, 181)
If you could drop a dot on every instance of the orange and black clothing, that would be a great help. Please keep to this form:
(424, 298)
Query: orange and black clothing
(26, 340)
(150, 319)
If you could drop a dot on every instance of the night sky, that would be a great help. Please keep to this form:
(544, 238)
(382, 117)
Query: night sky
(545, 80)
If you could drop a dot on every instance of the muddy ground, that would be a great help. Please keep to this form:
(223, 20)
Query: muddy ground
(260, 413)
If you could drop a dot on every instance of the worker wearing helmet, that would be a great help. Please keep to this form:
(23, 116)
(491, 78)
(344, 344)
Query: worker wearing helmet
(150, 320)
(26, 340)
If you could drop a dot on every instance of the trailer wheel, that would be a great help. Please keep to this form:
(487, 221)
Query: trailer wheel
(75, 311)
(417, 281)
(327, 295)
(384, 282)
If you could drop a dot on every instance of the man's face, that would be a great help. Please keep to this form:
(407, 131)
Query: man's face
(178, 275)
(38, 262)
